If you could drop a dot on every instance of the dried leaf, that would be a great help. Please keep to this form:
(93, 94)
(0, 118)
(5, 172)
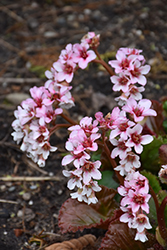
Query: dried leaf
(74, 244)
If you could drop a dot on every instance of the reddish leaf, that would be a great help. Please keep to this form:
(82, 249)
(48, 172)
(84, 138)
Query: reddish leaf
(75, 215)
(163, 154)
(120, 236)
(154, 123)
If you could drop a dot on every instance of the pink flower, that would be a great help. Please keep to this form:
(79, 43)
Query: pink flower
(109, 120)
(121, 126)
(39, 128)
(67, 54)
(65, 70)
(134, 92)
(163, 174)
(141, 222)
(90, 170)
(136, 200)
(27, 111)
(123, 63)
(121, 82)
(139, 110)
(91, 39)
(128, 216)
(139, 182)
(82, 55)
(136, 74)
(132, 51)
(136, 139)
(86, 125)
(78, 159)
(131, 161)
(141, 236)
(121, 148)
(75, 178)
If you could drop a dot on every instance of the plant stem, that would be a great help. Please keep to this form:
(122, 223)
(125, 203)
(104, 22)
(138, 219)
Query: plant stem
(68, 119)
(103, 63)
(113, 163)
(161, 220)
(154, 197)
(57, 126)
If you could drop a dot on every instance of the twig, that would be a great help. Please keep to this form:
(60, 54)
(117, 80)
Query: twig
(19, 80)
(33, 165)
(8, 201)
(8, 45)
(31, 178)
(11, 14)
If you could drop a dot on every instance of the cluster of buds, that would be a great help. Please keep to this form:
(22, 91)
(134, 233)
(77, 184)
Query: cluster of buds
(81, 142)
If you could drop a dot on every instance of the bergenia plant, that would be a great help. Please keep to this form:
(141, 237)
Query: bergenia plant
(116, 163)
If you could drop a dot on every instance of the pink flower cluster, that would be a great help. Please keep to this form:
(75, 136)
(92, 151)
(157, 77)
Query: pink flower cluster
(81, 142)
(130, 69)
(134, 204)
(36, 114)
(73, 57)
(126, 134)
(32, 124)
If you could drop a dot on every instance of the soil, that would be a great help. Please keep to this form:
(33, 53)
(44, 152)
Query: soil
(32, 36)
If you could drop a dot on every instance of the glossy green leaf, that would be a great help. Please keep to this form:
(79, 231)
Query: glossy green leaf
(150, 155)
(153, 180)
(107, 180)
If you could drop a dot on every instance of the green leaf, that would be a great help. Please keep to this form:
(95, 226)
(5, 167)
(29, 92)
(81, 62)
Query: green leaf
(152, 215)
(153, 180)
(107, 180)
(150, 155)
(120, 237)
(75, 215)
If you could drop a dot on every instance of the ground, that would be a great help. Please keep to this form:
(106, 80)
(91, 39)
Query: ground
(32, 36)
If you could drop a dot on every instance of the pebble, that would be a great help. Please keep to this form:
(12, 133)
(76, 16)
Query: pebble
(60, 192)
(26, 196)
(33, 187)
(87, 12)
(50, 34)
(11, 189)
(2, 188)
(30, 202)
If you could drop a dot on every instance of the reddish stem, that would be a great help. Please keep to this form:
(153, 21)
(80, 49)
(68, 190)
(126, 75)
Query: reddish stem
(161, 220)
(103, 63)
(154, 197)
(57, 126)
(68, 119)
(113, 163)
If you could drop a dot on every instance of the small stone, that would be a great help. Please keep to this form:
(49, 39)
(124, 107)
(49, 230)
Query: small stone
(50, 34)
(87, 12)
(30, 202)
(20, 213)
(26, 196)
(60, 192)
(2, 188)
(12, 188)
